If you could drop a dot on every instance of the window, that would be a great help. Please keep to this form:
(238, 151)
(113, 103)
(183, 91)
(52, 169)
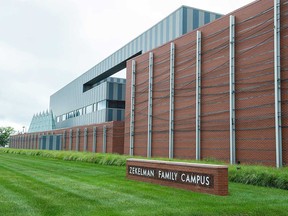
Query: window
(89, 109)
(58, 119)
(94, 107)
(101, 105)
(71, 114)
(79, 112)
(116, 104)
(64, 117)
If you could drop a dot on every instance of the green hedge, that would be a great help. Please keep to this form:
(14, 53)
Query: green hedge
(104, 159)
(260, 176)
(253, 175)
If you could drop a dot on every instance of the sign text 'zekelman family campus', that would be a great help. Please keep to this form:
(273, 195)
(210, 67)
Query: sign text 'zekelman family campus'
(204, 178)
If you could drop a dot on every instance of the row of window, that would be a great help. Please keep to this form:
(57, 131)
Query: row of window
(92, 108)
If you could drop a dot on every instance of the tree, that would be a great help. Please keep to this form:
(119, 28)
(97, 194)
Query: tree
(5, 133)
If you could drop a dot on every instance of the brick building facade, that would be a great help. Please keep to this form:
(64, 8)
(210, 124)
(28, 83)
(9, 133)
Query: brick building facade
(217, 83)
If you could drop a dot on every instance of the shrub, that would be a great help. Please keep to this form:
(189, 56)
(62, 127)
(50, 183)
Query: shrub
(98, 158)
(260, 175)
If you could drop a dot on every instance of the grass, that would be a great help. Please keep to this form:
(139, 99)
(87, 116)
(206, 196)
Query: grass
(248, 174)
(47, 186)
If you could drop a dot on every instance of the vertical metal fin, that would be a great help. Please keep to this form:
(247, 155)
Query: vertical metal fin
(132, 114)
(171, 110)
(94, 149)
(85, 138)
(277, 84)
(232, 89)
(70, 139)
(64, 141)
(77, 139)
(104, 139)
(198, 96)
(150, 105)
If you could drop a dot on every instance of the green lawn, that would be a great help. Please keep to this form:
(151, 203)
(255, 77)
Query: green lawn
(32, 185)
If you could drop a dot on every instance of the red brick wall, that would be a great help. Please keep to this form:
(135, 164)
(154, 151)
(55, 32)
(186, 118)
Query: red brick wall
(255, 136)
(255, 125)
(215, 91)
(118, 137)
(114, 138)
(284, 78)
(184, 136)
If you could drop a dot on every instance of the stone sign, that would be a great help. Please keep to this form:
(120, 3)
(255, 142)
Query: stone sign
(196, 177)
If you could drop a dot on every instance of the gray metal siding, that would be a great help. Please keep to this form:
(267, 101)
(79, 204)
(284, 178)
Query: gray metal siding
(196, 18)
(72, 97)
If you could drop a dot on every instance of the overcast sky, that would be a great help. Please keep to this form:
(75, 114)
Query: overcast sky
(45, 44)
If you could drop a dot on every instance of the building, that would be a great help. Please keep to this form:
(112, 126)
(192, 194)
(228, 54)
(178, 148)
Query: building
(73, 104)
(212, 93)
(106, 102)
(43, 121)
(219, 91)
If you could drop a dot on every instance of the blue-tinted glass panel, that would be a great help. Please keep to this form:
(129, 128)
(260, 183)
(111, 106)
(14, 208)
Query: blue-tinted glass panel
(195, 19)
(119, 92)
(206, 17)
(71, 115)
(174, 26)
(218, 16)
(110, 115)
(119, 116)
(184, 20)
(116, 104)
(111, 90)
(79, 112)
(51, 143)
(58, 142)
(89, 109)
(43, 142)
(101, 105)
